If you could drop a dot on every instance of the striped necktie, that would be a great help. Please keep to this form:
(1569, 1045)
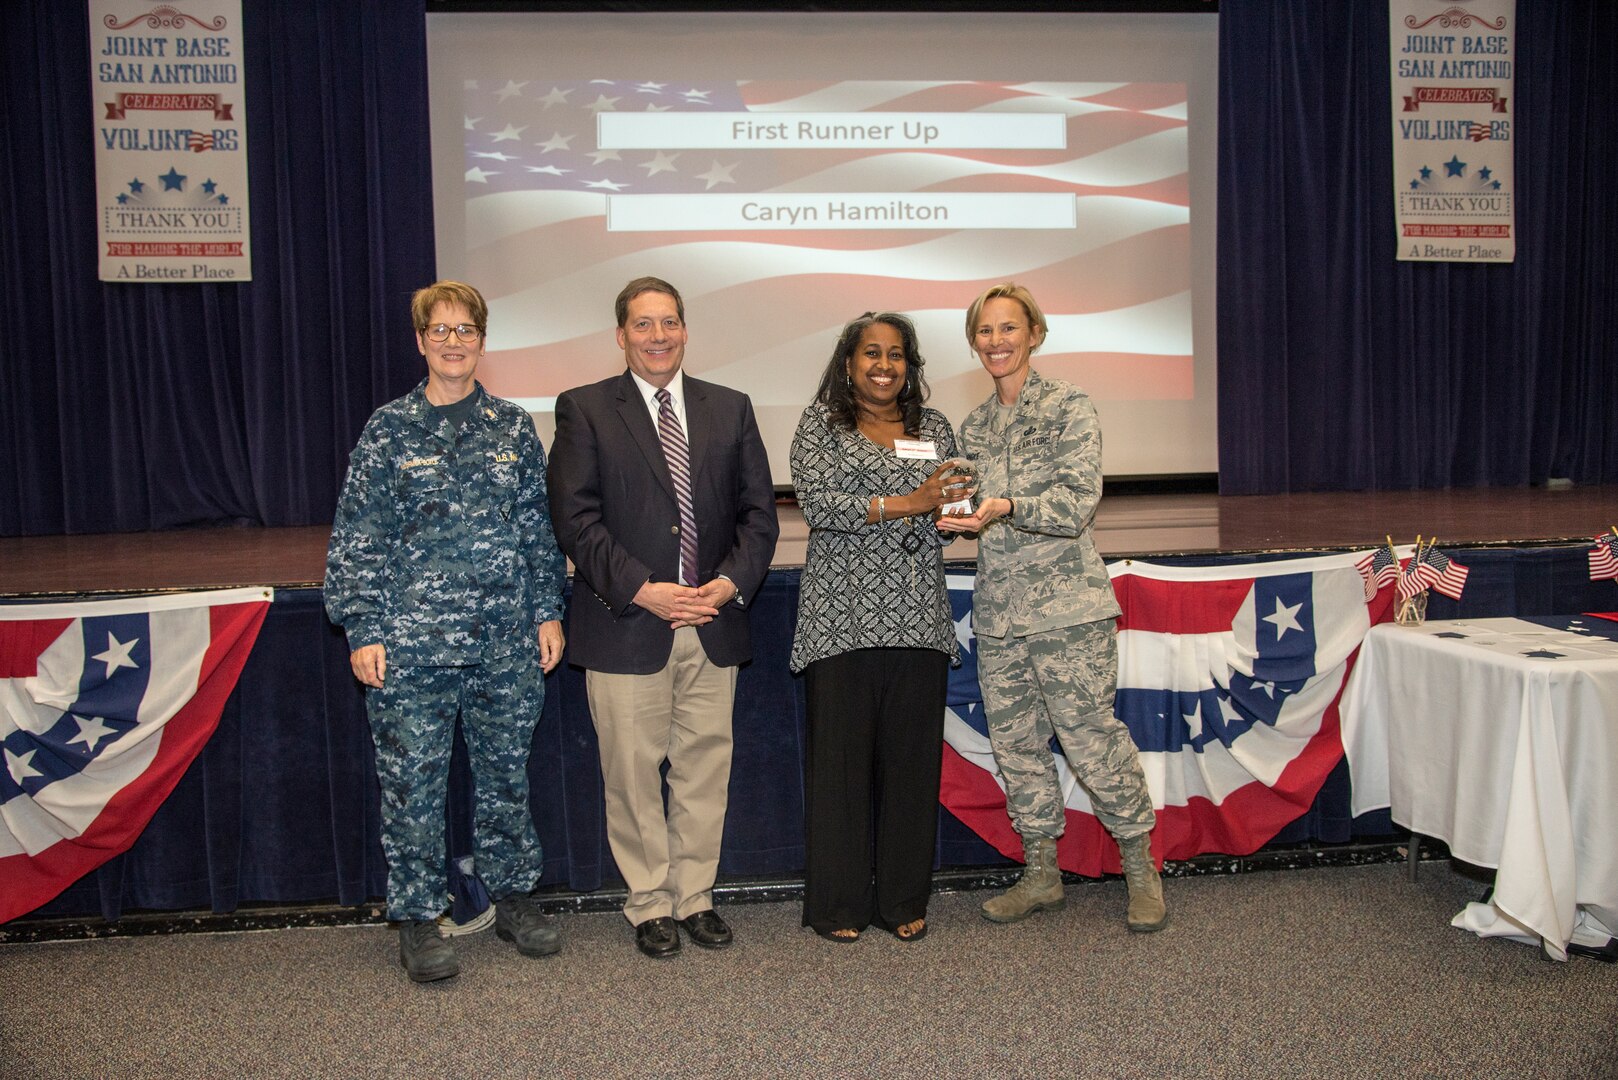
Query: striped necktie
(679, 459)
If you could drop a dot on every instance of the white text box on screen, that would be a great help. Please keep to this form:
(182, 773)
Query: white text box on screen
(825, 131)
(842, 210)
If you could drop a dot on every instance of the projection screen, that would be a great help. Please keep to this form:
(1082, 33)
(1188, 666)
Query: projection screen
(788, 172)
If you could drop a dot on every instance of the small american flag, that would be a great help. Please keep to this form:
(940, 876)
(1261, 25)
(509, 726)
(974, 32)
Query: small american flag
(1430, 568)
(1603, 561)
(1378, 569)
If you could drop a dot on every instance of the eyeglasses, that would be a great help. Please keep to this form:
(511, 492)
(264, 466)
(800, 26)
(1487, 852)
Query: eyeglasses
(440, 332)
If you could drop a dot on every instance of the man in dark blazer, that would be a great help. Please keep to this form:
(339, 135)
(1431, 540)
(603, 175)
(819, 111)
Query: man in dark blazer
(660, 494)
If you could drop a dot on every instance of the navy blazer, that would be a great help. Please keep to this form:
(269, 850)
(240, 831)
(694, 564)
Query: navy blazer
(614, 511)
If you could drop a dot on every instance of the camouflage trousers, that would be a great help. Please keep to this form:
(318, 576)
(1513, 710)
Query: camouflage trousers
(1062, 682)
(413, 726)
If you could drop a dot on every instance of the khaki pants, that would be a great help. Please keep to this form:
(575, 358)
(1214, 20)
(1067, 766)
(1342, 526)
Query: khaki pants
(680, 714)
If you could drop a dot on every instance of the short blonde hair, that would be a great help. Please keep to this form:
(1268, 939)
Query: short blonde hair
(449, 292)
(1011, 291)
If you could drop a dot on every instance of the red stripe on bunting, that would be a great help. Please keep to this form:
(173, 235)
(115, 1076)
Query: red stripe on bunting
(22, 642)
(1168, 607)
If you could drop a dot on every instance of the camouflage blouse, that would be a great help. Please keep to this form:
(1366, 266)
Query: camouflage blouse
(1040, 570)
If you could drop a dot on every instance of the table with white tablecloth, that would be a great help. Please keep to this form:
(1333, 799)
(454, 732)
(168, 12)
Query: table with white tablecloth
(1500, 737)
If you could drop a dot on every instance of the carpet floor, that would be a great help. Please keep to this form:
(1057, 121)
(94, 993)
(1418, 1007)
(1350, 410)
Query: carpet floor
(1340, 972)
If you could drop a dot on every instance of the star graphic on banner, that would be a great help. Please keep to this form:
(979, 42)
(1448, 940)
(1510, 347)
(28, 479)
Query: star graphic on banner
(650, 87)
(208, 186)
(697, 97)
(117, 654)
(552, 169)
(173, 180)
(495, 155)
(601, 82)
(1285, 618)
(603, 103)
(654, 107)
(476, 175)
(1495, 185)
(20, 766)
(963, 630)
(719, 174)
(608, 185)
(223, 199)
(1414, 184)
(1267, 687)
(1484, 173)
(471, 122)
(1455, 166)
(598, 156)
(136, 187)
(557, 141)
(1544, 654)
(122, 198)
(92, 729)
(661, 163)
(1193, 720)
(557, 96)
(1426, 173)
(511, 133)
(512, 89)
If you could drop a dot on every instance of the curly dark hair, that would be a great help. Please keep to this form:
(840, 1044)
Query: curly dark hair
(836, 392)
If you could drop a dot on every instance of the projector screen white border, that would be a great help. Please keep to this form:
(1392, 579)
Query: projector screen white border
(1141, 437)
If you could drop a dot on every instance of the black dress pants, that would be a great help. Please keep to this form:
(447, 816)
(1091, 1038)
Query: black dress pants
(876, 736)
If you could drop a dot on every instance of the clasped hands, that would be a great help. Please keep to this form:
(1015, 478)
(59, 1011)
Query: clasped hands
(681, 605)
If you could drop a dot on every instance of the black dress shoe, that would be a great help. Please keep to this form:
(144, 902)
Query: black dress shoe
(707, 929)
(657, 937)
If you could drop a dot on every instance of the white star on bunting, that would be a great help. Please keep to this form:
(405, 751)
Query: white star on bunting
(117, 654)
(1285, 618)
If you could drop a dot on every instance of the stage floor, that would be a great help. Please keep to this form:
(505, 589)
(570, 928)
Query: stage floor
(1127, 526)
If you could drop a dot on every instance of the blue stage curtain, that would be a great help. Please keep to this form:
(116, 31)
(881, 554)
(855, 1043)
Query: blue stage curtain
(1343, 369)
(129, 407)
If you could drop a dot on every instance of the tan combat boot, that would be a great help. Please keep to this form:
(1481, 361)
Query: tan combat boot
(1147, 911)
(1039, 888)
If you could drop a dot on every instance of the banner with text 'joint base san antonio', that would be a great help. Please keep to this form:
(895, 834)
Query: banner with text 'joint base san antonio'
(170, 139)
(1453, 130)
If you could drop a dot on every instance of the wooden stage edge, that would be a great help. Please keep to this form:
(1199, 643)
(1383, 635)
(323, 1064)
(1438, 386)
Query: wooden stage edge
(1127, 526)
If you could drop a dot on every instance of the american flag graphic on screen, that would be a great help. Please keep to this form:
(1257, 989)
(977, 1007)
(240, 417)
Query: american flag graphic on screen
(764, 304)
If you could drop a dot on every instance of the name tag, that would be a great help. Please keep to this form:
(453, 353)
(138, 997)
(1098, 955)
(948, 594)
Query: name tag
(422, 462)
(915, 449)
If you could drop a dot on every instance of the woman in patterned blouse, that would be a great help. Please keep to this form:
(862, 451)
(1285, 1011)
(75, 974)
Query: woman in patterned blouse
(874, 639)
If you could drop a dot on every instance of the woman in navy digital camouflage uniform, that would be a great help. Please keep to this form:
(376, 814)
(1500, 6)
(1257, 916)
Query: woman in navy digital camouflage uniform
(444, 573)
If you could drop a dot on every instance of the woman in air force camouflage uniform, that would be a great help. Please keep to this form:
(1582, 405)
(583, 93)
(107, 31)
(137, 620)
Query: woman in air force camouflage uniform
(1044, 613)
